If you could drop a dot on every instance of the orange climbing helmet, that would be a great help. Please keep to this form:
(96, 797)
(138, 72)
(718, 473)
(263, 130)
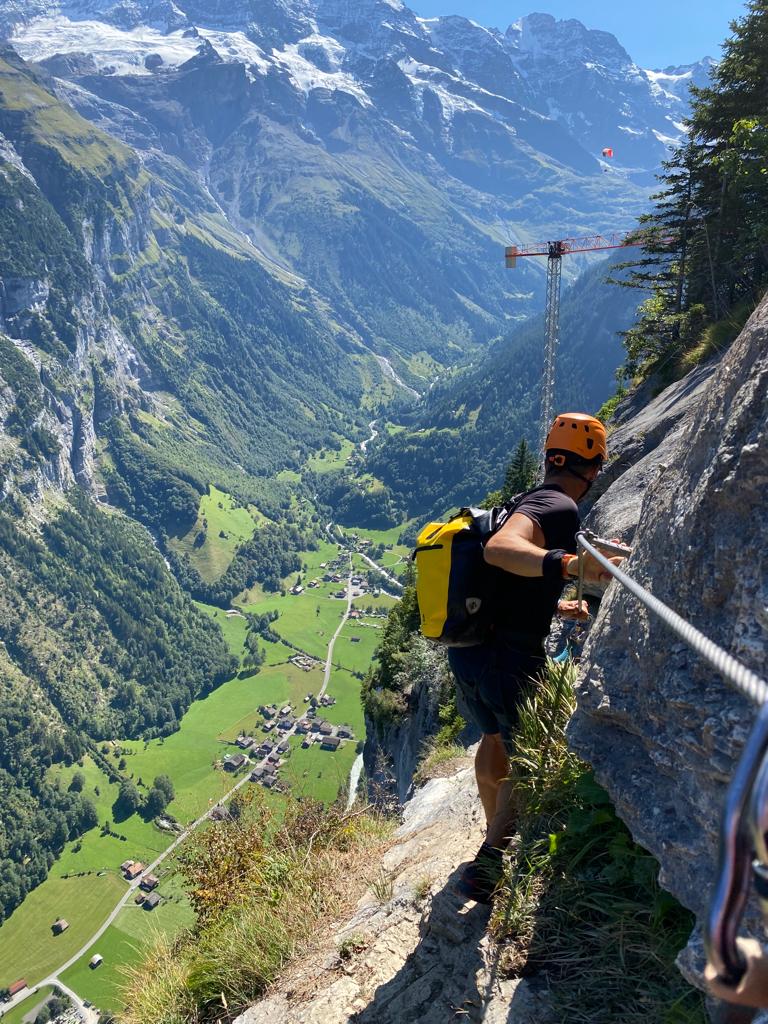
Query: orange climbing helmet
(579, 434)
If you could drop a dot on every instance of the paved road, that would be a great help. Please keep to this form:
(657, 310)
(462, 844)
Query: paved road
(345, 616)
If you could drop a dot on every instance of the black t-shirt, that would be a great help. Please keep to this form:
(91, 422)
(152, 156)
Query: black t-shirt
(527, 604)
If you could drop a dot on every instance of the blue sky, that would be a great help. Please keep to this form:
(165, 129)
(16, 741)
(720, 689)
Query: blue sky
(655, 33)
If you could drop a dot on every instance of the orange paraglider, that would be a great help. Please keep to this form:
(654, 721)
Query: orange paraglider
(608, 153)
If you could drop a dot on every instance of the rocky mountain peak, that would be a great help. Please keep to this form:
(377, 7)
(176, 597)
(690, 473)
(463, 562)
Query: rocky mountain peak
(564, 42)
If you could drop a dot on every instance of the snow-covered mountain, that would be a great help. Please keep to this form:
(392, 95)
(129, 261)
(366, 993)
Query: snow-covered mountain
(581, 79)
(383, 157)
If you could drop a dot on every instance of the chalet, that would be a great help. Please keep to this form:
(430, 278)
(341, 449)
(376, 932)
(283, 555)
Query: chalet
(126, 864)
(330, 743)
(234, 762)
(59, 926)
(356, 581)
(286, 723)
(284, 747)
(96, 961)
(267, 710)
(140, 898)
(148, 883)
(327, 578)
(325, 729)
(268, 727)
(273, 759)
(312, 713)
(244, 742)
(341, 593)
(257, 774)
(307, 743)
(355, 615)
(16, 987)
(151, 901)
(344, 732)
(269, 781)
(302, 726)
(323, 565)
(285, 709)
(134, 870)
(264, 749)
(298, 589)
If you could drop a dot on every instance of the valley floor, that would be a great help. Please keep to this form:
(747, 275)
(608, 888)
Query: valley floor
(86, 882)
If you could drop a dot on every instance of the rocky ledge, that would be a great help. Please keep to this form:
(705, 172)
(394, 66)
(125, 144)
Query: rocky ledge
(412, 950)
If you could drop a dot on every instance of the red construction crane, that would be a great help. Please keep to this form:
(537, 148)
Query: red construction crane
(554, 251)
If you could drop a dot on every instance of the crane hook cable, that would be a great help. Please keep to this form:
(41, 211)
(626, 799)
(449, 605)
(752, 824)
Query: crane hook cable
(732, 670)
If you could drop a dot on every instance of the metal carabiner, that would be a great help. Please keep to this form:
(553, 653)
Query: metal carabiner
(745, 815)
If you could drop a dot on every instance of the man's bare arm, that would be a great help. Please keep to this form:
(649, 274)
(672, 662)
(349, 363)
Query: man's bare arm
(518, 547)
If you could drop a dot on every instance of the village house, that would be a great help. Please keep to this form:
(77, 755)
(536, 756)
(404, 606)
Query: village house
(298, 589)
(140, 897)
(269, 781)
(264, 749)
(267, 710)
(312, 713)
(96, 961)
(135, 869)
(325, 729)
(302, 726)
(244, 742)
(307, 742)
(268, 727)
(148, 883)
(59, 926)
(126, 864)
(151, 901)
(234, 762)
(220, 813)
(355, 615)
(345, 732)
(285, 724)
(16, 987)
(286, 709)
(330, 743)
(257, 774)
(273, 759)
(284, 747)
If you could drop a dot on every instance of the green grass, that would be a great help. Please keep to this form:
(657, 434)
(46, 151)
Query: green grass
(356, 657)
(19, 1013)
(330, 460)
(28, 947)
(212, 558)
(126, 942)
(320, 773)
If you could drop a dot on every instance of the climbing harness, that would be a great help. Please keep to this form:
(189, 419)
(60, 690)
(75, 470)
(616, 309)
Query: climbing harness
(744, 828)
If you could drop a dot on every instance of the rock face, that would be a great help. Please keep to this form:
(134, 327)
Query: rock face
(662, 730)
(412, 952)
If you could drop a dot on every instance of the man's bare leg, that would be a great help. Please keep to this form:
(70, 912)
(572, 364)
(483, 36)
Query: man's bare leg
(491, 772)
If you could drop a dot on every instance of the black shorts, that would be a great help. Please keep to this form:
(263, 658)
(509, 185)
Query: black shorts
(489, 681)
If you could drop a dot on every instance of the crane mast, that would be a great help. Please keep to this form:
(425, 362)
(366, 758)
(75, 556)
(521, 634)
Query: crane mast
(554, 251)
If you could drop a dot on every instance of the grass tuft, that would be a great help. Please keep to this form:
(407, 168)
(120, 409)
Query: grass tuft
(263, 890)
(581, 906)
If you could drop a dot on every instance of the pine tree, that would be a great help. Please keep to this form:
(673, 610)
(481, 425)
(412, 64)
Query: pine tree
(706, 241)
(521, 472)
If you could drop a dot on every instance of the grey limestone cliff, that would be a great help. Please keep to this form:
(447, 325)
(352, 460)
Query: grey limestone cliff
(663, 731)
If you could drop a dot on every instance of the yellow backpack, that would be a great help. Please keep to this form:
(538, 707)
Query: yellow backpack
(455, 586)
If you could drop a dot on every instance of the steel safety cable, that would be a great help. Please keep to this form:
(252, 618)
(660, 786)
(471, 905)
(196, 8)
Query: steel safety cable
(732, 670)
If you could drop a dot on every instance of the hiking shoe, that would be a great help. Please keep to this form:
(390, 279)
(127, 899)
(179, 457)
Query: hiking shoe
(480, 878)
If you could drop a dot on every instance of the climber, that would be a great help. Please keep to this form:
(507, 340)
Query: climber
(536, 548)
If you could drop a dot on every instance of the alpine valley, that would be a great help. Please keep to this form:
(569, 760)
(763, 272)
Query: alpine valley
(234, 233)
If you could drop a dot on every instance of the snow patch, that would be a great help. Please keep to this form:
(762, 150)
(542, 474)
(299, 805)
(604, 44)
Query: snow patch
(113, 49)
(628, 130)
(236, 47)
(668, 140)
(306, 76)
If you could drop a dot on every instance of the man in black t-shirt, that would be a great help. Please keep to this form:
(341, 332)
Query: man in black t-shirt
(534, 554)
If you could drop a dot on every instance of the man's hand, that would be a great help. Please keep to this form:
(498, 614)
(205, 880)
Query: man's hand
(594, 572)
(752, 990)
(570, 610)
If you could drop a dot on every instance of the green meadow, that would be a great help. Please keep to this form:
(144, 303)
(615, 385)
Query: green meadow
(29, 948)
(227, 526)
(125, 942)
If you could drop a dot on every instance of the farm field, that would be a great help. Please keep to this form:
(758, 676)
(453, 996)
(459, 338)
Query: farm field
(124, 943)
(29, 948)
